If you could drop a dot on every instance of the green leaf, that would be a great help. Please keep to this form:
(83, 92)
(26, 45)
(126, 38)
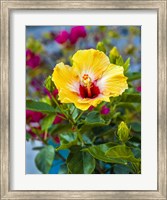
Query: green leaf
(100, 46)
(73, 111)
(38, 148)
(28, 136)
(121, 169)
(49, 84)
(133, 98)
(39, 106)
(134, 76)
(129, 106)
(130, 49)
(47, 100)
(104, 132)
(99, 151)
(113, 34)
(133, 144)
(63, 169)
(119, 61)
(44, 159)
(136, 167)
(135, 126)
(60, 128)
(136, 152)
(126, 65)
(94, 118)
(34, 45)
(87, 137)
(75, 114)
(47, 122)
(80, 162)
(121, 152)
(47, 36)
(67, 140)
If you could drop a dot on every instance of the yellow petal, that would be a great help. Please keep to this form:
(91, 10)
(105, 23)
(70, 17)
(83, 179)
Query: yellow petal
(67, 83)
(98, 100)
(66, 96)
(64, 77)
(82, 106)
(92, 62)
(113, 82)
(94, 102)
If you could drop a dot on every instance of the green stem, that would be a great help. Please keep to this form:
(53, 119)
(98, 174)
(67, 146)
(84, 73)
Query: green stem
(80, 138)
(79, 116)
(73, 111)
(71, 120)
(43, 140)
(61, 116)
(45, 135)
(67, 117)
(60, 156)
(134, 77)
(56, 102)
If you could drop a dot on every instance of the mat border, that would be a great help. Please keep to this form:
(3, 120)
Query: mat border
(6, 7)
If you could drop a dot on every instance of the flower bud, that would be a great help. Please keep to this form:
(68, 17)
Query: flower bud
(123, 132)
(49, 84)
(100, 46)
(114, 54)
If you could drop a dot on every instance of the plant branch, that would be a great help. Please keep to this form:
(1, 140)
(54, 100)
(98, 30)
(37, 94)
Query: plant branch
(56, 102)
(60, 156)
(73, 111)
(79, 116)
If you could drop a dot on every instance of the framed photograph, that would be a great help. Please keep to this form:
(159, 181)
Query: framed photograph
(83, 99)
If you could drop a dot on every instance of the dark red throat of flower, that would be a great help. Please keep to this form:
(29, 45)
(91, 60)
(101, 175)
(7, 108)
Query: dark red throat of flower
(89, 92)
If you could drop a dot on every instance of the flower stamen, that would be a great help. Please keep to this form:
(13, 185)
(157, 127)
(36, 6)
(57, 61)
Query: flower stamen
(87, 88)
(87, 83)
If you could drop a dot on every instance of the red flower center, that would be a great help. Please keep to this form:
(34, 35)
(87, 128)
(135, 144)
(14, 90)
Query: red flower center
(91, 92)
(87, 88)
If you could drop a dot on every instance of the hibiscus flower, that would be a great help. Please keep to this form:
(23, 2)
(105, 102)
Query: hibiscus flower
(91, 79)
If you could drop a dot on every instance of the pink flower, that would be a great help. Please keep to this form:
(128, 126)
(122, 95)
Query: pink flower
(54, 93)
(35, 83)
(62, 37)
(32, 116)
(58, 119)
(32, 120)
(138, 89)
(76, 33)
(105, 110)
(57, 139)
(32, 60)
(91, 108)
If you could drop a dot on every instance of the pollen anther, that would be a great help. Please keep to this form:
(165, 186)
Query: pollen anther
(87, 83)
(86, 80)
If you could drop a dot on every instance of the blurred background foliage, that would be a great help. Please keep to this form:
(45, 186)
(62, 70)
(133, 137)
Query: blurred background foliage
(117, 122)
